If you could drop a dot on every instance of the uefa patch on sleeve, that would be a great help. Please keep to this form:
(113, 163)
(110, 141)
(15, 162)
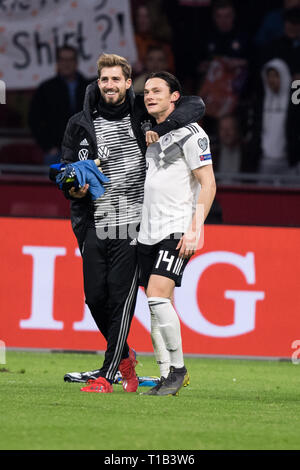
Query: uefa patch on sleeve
(203, 158)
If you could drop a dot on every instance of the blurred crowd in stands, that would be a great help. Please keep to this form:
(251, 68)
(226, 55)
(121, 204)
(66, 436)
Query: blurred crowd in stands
(241, 57)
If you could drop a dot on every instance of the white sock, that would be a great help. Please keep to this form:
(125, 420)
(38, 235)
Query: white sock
(162, 355)
(169, 326)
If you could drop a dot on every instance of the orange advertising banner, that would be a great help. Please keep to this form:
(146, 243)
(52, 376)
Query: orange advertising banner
(240, 296)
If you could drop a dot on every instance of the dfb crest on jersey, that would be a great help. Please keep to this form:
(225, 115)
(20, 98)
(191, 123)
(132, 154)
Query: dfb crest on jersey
(203, 143)
(83, 154)
(146, 126)
(103, 152)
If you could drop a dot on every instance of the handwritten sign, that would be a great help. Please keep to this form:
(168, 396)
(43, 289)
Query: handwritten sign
(31, 30)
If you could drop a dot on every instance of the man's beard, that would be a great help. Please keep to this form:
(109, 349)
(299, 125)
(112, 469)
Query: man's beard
(110, 100)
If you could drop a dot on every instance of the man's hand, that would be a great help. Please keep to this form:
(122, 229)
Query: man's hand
(151, 137)
(188, 244)
(81, 192)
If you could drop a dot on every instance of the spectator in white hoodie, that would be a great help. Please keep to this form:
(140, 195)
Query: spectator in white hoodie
(273, 140)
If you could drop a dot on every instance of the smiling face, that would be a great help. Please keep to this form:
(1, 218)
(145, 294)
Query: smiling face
(159, 100)
(113, 85)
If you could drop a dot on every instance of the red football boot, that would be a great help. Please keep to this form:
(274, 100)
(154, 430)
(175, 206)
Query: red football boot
(100, 385)
(130, 381)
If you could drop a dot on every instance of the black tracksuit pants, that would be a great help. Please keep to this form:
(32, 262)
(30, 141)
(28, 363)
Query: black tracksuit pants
(110, 285)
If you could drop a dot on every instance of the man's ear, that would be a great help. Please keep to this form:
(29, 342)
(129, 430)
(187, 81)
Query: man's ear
(175, 96)
(128, 83)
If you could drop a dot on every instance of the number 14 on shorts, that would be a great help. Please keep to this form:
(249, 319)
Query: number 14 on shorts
(163, 257)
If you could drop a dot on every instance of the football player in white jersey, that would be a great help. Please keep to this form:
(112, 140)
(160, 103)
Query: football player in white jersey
(179, 191)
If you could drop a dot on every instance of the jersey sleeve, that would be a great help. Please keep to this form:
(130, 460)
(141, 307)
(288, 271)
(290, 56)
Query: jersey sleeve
(196, 150)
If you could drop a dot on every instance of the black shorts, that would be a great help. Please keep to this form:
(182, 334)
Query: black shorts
(161, 259)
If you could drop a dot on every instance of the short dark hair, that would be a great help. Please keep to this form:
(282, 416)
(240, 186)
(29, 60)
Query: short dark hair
(172, 82)
(66, 48)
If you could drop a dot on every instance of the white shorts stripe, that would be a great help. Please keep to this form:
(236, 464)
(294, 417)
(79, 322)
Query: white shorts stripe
(176, 264)
(179, 266)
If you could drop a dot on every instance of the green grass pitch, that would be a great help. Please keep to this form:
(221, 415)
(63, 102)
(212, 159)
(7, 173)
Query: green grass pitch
(229, 404)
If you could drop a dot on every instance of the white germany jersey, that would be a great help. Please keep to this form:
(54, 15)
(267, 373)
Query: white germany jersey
(171, 189)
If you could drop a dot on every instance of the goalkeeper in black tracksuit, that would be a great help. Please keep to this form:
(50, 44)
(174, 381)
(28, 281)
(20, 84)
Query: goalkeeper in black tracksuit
(112, 128)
